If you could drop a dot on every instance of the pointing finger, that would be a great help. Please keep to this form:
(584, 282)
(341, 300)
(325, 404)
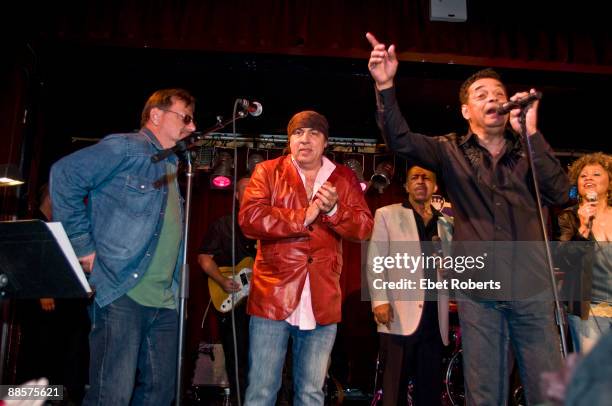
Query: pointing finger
(372, 39)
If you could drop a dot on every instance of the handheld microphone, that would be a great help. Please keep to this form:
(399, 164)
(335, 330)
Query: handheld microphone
(253, 108)
(436, 243)
(518, 104)
(591, 197)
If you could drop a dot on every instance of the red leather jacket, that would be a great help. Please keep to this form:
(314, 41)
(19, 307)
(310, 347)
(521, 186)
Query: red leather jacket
(273, 210)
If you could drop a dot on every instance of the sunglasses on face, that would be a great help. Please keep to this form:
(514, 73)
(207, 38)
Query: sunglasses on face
(187, 119)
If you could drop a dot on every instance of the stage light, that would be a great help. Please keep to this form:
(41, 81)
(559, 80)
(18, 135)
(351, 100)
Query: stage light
(10, 175)
(255, 156)
(383, 173)
(330, 155)
(357, 167)
(204, 158)
(221, 177)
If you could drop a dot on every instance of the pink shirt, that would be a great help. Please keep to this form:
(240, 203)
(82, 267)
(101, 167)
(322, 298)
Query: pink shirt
(303, 316)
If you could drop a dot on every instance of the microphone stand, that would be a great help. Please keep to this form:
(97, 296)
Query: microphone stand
(181, 150)
(184, 283)
(559, 314)
(187, 143)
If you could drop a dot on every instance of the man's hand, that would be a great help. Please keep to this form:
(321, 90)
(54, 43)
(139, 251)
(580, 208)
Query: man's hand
(382, 63)
(553, 385)
(531, 119)
(47, 304)
(326, 197)
(311, 213)
(229, 285)
(87, 262)
(383, 314)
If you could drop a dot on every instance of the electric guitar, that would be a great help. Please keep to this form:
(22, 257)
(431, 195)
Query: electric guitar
(223, 300)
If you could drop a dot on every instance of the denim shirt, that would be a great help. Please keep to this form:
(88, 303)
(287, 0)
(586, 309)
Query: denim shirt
(126, 194)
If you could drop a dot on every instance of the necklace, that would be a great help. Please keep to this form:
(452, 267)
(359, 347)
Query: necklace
(498, 149)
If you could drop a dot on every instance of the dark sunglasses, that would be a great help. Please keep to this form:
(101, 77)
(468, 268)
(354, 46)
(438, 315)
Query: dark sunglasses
(187, 119)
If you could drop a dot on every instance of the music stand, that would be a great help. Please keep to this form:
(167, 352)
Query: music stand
(36, 260)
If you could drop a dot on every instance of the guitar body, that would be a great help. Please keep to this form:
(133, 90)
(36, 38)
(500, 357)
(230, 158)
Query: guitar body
(221, 299)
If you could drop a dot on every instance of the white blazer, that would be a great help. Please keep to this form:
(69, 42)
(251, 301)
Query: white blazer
(395, 232)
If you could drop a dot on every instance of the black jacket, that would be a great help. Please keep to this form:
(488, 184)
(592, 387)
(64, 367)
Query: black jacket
(576, 260)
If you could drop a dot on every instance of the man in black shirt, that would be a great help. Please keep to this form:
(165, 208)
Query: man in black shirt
(487, 178)
(215, 252)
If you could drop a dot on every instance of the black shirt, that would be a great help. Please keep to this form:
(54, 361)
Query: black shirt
(492, 200)
(218, 242)
(428, 325)
(426, 231)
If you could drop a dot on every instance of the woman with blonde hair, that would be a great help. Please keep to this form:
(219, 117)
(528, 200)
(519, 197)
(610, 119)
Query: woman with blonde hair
(588, 226)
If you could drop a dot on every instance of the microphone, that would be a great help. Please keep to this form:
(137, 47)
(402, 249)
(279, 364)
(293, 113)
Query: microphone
(519, 104)
(436, 243)
(253, 108)
(591, 197)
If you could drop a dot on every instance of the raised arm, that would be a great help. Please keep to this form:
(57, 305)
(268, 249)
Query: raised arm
(399, 138)
(382, 64)
(552, 179)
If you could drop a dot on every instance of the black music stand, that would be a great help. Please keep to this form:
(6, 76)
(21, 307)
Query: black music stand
(35, 262)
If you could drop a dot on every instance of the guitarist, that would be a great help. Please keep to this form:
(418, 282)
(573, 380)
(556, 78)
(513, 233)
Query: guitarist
(215, 252)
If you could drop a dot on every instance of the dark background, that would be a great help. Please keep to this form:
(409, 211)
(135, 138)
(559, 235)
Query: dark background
(84, 69)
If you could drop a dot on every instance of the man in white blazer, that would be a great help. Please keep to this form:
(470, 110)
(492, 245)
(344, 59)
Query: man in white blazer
(412, 322)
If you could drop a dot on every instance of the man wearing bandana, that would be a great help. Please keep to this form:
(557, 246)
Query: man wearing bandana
(299, 206)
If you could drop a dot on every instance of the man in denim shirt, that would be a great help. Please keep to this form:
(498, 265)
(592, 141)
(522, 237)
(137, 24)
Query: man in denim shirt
(128, 237)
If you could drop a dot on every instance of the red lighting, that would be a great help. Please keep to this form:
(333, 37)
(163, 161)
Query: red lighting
(221, 182)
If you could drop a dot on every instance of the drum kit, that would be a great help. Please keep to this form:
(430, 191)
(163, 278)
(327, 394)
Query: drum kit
(453, 388)
(454, 394)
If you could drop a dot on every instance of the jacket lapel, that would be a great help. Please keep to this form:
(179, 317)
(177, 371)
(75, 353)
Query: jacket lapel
(293, 180)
